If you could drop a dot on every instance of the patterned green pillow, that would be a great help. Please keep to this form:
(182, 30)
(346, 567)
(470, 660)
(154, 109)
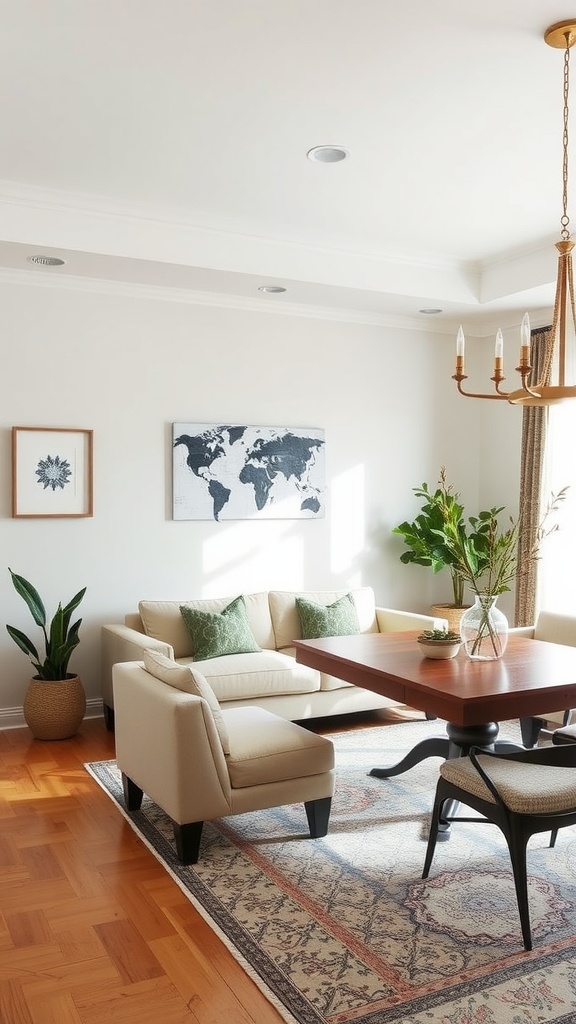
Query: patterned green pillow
(337, 619)
(217, 633)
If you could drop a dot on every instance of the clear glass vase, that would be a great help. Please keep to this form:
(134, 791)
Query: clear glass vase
(484, 629)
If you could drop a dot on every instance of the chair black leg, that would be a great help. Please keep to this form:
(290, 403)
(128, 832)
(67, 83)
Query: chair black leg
(517, 846)
(188, 841)
(318, 814)
(132, 794)
(530, 730)
(435, 821)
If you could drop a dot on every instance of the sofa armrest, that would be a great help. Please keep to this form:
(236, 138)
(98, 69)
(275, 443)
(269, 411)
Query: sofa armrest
(522, 631)
(167, 743)
(390, 620)
(120, 643)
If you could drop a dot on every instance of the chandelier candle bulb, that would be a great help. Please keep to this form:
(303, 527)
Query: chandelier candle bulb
(525, 341)
(498, 376)
(460, 343)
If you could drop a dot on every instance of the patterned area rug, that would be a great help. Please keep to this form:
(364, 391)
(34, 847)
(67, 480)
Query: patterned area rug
(343, 929)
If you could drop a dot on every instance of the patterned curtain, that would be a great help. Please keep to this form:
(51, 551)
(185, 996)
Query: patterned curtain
(534, 429)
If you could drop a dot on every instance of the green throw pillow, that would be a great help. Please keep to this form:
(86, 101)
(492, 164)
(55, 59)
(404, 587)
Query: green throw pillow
(337, 619)
(225, 632)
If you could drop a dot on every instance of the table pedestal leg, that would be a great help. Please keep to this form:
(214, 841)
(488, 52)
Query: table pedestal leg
(456, 743)
(434, 746)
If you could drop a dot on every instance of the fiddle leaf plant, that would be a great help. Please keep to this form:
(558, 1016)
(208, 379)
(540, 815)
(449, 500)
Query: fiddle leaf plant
(60, 637)
(425, 537)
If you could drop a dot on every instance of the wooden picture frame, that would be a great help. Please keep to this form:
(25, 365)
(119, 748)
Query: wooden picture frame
(52, 472)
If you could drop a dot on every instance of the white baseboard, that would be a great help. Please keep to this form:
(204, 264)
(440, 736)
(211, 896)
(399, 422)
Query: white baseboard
(13, 718)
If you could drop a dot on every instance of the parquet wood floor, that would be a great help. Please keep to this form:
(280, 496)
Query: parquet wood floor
(92, 929)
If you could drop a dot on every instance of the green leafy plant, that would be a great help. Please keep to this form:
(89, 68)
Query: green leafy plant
(484, 552)
(479, 552)
(426, 537)
(60, 639)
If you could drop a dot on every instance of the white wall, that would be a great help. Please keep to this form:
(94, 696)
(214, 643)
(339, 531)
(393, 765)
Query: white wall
(129, 366)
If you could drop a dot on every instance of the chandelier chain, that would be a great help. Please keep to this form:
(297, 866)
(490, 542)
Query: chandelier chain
(565, 219)
(553, 384)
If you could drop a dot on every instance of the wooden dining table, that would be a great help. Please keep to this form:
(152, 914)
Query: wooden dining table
(532, 678)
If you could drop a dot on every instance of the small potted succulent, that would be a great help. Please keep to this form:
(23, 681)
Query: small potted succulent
(440, 644)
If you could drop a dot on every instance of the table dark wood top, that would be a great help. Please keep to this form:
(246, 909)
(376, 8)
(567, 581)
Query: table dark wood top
(532, 678)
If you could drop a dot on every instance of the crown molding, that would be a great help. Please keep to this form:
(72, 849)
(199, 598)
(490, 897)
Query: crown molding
(218, 300)
(142, 252)
(55, 200)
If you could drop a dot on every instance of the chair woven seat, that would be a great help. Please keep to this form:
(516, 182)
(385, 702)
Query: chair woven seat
(524, 788)
(521, 791)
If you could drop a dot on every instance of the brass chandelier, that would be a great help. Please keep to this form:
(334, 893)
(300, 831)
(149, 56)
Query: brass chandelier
(562, 35)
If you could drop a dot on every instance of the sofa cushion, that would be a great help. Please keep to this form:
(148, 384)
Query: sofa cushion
(162, 620)
(188, 679)
(217, 633)
(249, 676)
(336, 619)
(285, 614)
(265, 749)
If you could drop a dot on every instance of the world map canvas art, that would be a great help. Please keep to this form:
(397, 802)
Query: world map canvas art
(227, 471)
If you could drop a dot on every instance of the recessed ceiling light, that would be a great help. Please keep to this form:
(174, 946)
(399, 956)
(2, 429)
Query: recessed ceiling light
(327, 154)
(271, 289)
(431, 311)
(46, 261)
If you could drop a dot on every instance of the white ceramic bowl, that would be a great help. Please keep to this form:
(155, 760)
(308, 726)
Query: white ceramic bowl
(439, 649)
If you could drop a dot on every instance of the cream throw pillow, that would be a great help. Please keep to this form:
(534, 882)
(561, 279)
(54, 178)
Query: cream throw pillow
(189, 680)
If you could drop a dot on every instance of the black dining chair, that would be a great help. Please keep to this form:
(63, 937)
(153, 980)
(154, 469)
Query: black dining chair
(522, 792)
(564, 735)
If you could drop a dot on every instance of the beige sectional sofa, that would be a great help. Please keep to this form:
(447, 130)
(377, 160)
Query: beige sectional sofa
(270, 677)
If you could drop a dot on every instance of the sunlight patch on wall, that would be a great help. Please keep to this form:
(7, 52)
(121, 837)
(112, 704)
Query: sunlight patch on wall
(348, 505)
(247, 557)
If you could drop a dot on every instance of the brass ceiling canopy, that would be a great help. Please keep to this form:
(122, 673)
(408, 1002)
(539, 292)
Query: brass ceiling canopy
(556, 34)
(561, 35)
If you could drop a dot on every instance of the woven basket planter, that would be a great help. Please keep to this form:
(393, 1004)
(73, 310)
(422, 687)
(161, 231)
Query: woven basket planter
(451, 612)
(54, 710)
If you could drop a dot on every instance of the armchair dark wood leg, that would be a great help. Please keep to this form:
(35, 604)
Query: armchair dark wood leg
(132, 794)
(318, 814)
(530, 730)
(187, 839)
(109, 718)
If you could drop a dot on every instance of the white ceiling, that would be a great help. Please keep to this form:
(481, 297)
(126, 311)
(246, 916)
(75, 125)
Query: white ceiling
(163, 145)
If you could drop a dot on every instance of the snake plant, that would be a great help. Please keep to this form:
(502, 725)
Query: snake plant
(60, 638)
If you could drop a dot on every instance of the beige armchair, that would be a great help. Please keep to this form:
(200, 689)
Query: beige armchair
(198, 762)
(556, 628)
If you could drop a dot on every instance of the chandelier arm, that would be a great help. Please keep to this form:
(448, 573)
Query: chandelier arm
(471, 394)
(526, 388)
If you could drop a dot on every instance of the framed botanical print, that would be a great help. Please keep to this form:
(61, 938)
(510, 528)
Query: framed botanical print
(51, 472)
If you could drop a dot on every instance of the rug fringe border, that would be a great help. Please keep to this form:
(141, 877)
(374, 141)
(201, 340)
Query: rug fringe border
(233, 950)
